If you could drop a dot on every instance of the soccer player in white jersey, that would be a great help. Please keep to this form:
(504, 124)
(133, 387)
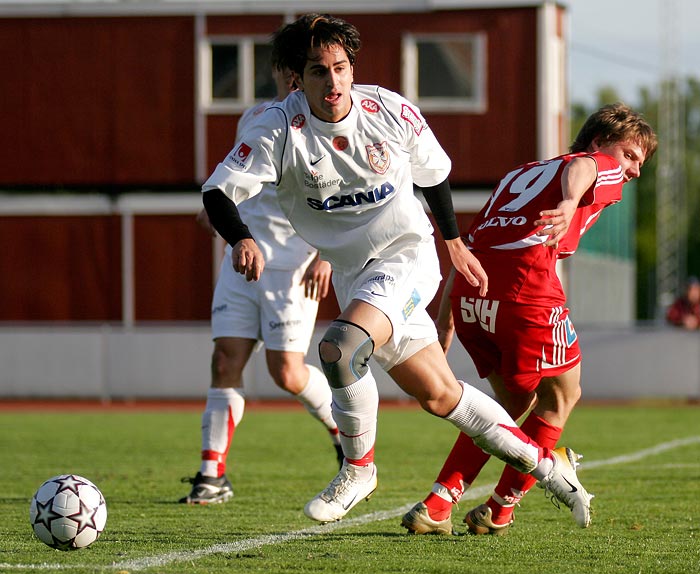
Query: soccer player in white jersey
(520, 336)
(279, 310)
(345, 159)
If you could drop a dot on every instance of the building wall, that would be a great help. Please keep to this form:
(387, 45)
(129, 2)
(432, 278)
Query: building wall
(97, 101)
(110, 101)
(172, 362)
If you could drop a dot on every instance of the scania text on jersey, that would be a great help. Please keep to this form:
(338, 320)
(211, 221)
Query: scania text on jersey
(482, 310)
(351, 200)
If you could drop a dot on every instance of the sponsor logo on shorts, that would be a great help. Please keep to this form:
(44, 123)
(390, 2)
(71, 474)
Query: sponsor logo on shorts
(571, 335)
(411, 304)
(381, 278)
(279, 324)
(219, 309)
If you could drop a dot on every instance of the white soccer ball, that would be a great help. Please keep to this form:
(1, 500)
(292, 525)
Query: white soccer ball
(68, 512)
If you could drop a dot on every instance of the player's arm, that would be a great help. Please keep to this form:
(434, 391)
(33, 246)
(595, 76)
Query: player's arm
(577, 178)
(223, 215)
(439, 199)
(445, 323)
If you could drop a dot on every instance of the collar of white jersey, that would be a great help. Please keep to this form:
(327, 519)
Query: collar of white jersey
(348, 123)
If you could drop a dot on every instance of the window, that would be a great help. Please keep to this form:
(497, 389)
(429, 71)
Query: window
(445, 72)
(235, 73)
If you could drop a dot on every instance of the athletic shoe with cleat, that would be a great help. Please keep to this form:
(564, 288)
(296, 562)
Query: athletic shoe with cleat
(479, 520)
(565, 487)
(208, 490)
(343, 492)
(418, 521)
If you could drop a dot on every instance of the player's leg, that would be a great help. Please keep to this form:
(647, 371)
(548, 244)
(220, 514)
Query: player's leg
(287, 324)
(541, 355)
(461, 467)
(222, 414)
(308, 385)
(491, 428)
(345, 351)
(235, 324)
(556, 398)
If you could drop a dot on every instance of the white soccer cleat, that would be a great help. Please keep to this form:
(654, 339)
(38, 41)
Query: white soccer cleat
(563, 483)
(343, 492)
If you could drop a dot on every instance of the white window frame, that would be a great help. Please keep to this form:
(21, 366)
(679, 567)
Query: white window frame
(409, 76)
(246, 73)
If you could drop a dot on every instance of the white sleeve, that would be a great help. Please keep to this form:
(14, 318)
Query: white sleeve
(254, 161)
(430, 164)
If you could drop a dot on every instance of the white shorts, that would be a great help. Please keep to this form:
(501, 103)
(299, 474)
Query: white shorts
(273, 310)
(401, 285)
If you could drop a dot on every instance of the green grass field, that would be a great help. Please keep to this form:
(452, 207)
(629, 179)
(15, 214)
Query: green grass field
(642, 462)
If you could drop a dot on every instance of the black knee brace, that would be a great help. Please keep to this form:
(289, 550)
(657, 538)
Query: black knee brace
(354, 347)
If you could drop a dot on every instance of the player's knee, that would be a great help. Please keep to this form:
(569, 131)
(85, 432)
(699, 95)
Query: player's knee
(344, 352)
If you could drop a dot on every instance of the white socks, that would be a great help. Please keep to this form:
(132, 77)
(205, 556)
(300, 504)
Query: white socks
(492, 429)
(355, 412)
(223, 412)
(316, 398)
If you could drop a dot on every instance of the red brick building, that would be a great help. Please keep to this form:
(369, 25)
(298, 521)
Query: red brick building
(113, 98)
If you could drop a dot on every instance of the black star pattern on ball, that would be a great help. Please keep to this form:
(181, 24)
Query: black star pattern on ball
(45, 513)
(85, 517)
(62, 544)
(69, 482)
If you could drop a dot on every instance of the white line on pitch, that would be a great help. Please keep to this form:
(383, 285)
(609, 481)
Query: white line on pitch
(269, 539)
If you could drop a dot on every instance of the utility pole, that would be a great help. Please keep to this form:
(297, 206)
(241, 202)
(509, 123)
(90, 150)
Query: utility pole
(671, 218)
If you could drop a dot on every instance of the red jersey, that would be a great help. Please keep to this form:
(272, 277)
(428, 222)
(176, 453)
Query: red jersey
(502, 236)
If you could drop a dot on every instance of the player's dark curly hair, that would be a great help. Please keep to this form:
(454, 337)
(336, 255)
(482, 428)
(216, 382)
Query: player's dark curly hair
(616, 123)
(291, 42)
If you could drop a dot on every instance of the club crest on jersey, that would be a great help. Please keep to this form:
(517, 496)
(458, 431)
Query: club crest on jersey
(240, 154)
(298, 121)
(412, 118)
(378, 156)
(369, 106)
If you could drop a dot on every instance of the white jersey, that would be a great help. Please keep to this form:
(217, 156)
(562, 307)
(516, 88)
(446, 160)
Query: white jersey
(346, 187)
(281, 247)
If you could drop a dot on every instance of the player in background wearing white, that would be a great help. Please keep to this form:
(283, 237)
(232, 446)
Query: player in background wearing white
(520, 337)
(279, 310)
(345, 159)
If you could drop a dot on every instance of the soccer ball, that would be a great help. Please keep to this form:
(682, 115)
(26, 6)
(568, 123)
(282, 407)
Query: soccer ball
(68, 512)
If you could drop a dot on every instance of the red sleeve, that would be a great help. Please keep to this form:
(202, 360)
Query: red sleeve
(609, 182)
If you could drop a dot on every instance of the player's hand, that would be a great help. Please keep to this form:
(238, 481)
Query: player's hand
(317, 279)
(468, 265)
(203, 220)
(556, 222)
(248, 260)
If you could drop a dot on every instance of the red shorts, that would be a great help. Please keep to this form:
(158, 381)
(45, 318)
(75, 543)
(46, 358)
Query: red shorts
(521, 343)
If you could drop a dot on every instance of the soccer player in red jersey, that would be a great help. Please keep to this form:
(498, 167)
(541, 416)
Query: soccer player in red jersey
(520, 336)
